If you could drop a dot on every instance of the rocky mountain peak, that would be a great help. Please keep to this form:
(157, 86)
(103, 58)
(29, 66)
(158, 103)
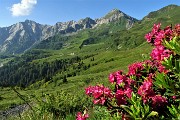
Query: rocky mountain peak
(88, 20)
(29, 21)
(114, 13)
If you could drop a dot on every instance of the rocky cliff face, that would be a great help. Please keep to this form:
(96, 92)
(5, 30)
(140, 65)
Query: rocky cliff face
(21, 36)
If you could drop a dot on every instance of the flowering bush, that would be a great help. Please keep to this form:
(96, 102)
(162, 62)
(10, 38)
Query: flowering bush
(81, 116)
(150, 89)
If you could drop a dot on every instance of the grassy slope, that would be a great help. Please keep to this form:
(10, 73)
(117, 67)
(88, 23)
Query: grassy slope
(96, 74)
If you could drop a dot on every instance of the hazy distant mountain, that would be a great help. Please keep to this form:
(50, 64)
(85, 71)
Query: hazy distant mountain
(23, 35)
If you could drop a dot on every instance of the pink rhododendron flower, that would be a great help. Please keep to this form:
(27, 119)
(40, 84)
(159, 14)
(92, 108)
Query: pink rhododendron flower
(135, 69)
(159, 37)
(115, 77)
(88, 90)
(153, 34)
(148, 63)
(129, 82)
(174, 97)
(158, 101)
(159, 53)
(128, 92)
(156, 28)
(145, 90)
(80, 116)
(177, 30)
(100, 93)
(101, 101)
(149, 37)
(168, 33)
(111, 78)
(120, 97)
(118, 77)
(162, 68)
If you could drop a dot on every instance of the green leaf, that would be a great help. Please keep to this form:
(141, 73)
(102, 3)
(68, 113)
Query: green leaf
(127, 109)
(153, 113)
(177, 66)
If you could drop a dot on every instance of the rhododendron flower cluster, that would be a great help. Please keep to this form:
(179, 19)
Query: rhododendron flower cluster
(136, 68)
(145, 90)
(120, 79)
(157, 35)
(123, 85)
(158, 101)
(147, 93)
(81, 116)
(160, 52)
(100, 93)
(156, 38)
(139, 69)
(140, 78)
(177, 30)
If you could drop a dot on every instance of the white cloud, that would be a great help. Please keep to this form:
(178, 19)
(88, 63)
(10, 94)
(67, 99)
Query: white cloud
(24, 8)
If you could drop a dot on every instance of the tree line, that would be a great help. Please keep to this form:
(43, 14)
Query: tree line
(22, 72)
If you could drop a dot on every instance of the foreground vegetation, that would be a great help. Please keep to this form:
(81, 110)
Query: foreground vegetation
(150, 89)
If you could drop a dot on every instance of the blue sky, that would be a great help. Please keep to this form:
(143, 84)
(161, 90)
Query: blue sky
(52, 11)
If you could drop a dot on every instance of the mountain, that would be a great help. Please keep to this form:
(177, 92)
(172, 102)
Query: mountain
(115, 15)
(162, 12)
(20, 36)
(23, 35)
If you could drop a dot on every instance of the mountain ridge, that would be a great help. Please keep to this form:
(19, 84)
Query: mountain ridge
(162, 10)
(21, 36)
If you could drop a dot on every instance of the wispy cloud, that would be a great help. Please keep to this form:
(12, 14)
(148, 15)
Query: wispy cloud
(23, 8)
